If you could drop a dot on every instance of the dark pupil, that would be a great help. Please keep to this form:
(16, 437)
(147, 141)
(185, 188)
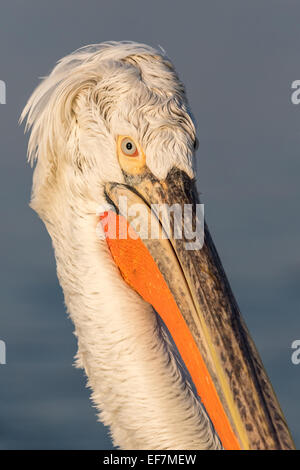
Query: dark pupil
(129, 146)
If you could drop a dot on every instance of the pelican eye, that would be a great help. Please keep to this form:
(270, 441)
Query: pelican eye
(130, 154)
(129, 148)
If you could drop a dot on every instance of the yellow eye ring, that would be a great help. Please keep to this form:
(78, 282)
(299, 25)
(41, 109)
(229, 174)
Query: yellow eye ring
(130, 154)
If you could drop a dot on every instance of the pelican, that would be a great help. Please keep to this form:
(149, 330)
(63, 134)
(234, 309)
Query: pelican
(167, 355)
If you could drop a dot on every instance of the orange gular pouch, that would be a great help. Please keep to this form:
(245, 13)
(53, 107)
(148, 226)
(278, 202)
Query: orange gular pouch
(140, 271)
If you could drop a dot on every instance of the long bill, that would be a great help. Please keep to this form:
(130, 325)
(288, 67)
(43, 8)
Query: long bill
(187, 286)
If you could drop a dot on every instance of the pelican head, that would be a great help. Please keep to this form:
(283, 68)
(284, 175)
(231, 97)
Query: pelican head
(169, 360)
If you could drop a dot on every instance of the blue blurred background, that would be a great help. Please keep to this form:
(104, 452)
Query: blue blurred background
(237, 60)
